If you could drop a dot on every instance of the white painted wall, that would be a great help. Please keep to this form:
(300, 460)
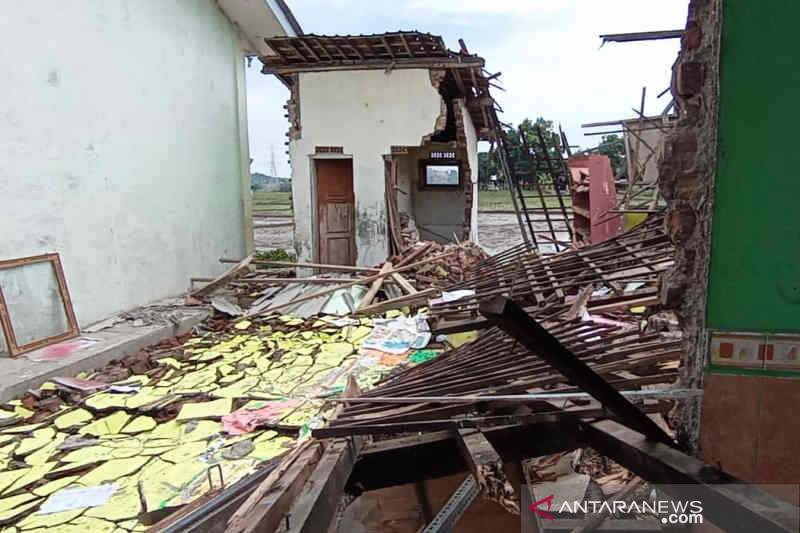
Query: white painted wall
(472, 156)
(365, 112)
(438, 212)
(120, 144)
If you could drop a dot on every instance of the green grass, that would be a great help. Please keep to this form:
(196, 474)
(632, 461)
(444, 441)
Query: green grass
(272, 203)
(501, 200)
(279, 254)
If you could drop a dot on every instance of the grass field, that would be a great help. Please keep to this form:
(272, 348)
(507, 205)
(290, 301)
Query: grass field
(272, 203)
(279, 203)
(501, 200)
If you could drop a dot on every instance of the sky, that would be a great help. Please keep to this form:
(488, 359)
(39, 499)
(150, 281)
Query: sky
(547, 50)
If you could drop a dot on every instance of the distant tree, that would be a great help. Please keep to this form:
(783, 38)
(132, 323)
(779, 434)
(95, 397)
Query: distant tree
(614, 147)
(520, 164)
(487, 167)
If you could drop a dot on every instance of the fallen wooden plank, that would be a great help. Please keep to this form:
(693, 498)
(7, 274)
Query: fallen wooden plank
(487, 468)
(287, 281)
(376, 286)
(362, 281)
(404, 283)
(511, 318)
(268, 504)
(316, 506)
(416, 252)
(637, 302)
(394, 303)
(579, 303)
(320, 266)
(232, 273)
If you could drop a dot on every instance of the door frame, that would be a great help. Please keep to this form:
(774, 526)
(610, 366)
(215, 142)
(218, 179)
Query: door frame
(315, 200)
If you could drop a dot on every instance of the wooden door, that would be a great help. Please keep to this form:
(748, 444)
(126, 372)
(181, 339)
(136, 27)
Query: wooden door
(336, 211)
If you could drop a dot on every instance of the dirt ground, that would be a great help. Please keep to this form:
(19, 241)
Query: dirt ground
(273, 232)
(496, 231)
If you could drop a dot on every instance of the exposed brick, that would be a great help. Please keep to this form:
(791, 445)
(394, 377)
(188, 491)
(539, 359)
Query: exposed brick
(689, 78)
(681, 223)
(689, 186)
(692, 36)
(681, 151)
(672, 294)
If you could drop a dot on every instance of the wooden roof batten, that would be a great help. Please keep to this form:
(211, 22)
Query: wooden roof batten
(334, 52)
(393, 50)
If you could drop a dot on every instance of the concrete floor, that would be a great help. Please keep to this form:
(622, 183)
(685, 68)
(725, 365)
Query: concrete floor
(21, 373)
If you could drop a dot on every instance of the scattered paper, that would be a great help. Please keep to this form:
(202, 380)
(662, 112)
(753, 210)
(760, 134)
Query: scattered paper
(601, 291)
(339, 322)
(78, 498)
(123, 389)
(245, 420)
(452, 296)
(633, 285)
(57, 352)
(398, 335)
(80, 384)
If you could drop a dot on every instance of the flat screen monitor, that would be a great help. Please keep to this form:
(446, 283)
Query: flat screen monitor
(441, 174)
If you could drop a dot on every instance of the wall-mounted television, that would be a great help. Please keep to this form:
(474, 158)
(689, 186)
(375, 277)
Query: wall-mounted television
(437, 173)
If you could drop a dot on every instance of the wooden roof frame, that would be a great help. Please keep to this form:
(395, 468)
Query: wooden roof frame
(395, 50)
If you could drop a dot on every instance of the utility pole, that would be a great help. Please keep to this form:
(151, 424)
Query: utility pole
(273, 169)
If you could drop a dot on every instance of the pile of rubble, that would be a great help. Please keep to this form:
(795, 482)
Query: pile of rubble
(449, 263)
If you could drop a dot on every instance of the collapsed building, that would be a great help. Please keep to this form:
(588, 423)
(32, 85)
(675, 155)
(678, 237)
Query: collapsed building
(383, 127)
(399, 389)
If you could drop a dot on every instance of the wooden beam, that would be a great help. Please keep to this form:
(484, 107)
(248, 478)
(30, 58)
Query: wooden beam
(388, 47)
(432, 455)
(404, 284)
(354, 46)
(641, 36)
(310, 50)
(487, 468)
(395, 303)
(728, 502)
(317, 505)
(266, 506)
(317, 266)
(311, 281)
(512, 319)
(405, 45)
(357, 282)
(348, 63)
(322, 48)
(240, 268)
(376, 286)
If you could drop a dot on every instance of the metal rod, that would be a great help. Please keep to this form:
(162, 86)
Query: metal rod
(514, 398)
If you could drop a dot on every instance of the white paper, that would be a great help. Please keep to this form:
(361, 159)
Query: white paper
(452, 296)
(78, 498)
(397, 335)
(123, 388)
(633, 285)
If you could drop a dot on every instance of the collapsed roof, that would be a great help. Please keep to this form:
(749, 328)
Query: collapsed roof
(464, 73)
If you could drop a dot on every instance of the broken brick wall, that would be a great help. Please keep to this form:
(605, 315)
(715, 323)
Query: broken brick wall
(732, 156)
(686, 173)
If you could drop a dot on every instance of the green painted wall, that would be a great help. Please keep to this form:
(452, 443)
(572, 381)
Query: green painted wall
(754, 281)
